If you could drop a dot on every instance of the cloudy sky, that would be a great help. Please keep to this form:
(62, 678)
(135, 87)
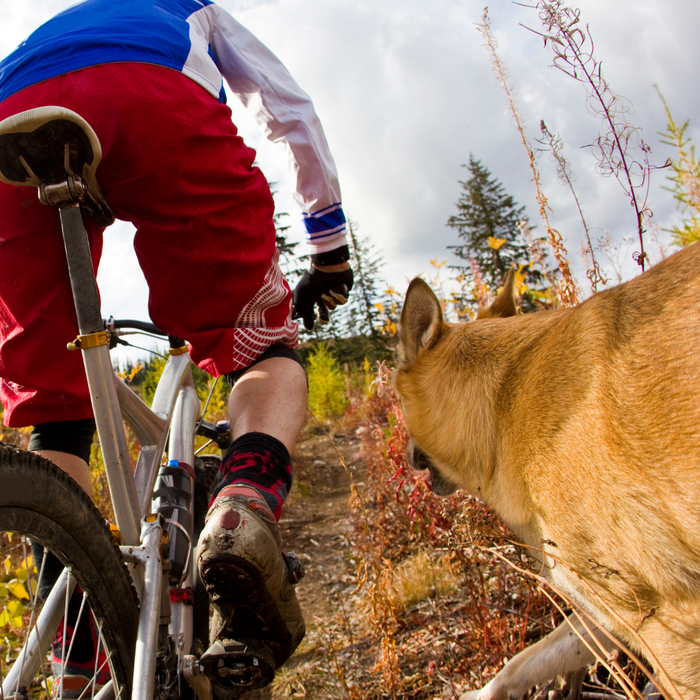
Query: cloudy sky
(405, 91)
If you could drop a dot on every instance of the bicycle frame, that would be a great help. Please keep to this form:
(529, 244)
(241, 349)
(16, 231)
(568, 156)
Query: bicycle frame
(171, 420)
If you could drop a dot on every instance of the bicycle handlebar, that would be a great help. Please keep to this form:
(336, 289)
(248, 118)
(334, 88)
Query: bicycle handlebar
(113, 325)
(124, 323)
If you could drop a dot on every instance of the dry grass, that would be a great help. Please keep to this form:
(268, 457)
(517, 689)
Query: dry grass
(422, 575)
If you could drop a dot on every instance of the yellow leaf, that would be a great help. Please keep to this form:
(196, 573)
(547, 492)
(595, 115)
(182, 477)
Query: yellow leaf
(17, 589)
(14, 608)
(4, 618)
(8, 565)
(520, 275)
(21, 573)
(4, 592)
(496, 243)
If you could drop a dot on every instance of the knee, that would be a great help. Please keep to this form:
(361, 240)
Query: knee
(292, 366)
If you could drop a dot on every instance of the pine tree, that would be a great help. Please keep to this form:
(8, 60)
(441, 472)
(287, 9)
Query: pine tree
(355, 329)
(291, 264)
(489, 222)
(362, 316)
(361, 319)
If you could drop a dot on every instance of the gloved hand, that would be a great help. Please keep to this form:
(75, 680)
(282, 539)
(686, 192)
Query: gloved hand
(326, 287)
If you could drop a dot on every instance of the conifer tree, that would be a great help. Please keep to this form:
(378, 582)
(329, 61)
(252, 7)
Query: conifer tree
(355, 329)
(362, 316)
(489, 224)
(291, 264)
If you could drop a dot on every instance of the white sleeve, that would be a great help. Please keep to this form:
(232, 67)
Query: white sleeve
(286, 114)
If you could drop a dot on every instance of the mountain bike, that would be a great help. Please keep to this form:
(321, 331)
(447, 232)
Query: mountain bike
(133, 583)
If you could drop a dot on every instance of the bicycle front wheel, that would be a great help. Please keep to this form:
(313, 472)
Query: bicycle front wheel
(73, 638)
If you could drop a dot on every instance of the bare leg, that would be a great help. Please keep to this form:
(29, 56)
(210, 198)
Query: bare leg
(270, 398)
(74, 466)
(239, 552)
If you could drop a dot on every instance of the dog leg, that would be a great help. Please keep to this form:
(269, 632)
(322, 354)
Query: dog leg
(559, 653)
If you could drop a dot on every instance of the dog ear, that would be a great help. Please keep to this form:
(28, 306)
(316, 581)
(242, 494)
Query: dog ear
(504, 304)
(421, 321)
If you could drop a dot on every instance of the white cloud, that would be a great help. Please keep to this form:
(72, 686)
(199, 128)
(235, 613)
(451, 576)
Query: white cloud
(405, 92)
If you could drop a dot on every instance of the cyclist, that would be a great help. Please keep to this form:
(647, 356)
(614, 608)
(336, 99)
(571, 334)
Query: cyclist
(147, 76)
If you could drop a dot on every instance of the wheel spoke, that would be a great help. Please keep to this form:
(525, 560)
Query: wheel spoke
(96, 626)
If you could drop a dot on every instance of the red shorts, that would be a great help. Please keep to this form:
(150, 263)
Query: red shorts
(174, 166)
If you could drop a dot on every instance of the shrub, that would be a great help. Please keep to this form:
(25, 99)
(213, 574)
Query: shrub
(327, 391)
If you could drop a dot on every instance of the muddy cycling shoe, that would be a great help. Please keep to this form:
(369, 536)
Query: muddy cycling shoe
(250, 581)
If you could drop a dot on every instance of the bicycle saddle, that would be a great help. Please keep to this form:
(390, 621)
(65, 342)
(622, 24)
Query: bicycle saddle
(52, 145)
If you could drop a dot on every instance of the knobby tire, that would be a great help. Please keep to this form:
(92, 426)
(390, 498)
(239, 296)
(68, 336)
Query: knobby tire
(41, 502)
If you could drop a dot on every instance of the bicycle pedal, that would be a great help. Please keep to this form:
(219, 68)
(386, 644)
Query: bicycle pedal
(235, 666)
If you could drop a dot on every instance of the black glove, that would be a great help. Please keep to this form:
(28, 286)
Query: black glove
(325, 289)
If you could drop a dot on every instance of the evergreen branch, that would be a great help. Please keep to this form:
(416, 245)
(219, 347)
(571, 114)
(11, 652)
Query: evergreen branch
(361, 281)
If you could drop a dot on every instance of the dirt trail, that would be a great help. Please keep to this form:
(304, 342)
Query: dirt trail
(315, 525)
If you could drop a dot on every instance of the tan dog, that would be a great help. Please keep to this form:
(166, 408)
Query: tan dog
(581, 428)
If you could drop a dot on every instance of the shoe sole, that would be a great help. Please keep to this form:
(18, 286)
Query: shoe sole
(234, 667)
(247, 609)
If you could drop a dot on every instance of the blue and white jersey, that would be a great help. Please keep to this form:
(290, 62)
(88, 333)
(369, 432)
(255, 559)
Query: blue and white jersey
(201, 40)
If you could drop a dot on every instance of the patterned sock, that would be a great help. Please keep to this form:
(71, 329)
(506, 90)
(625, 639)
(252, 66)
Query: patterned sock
(262, 462)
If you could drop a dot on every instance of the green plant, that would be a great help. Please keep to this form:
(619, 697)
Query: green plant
(152, 371)
(327, 391)
(684, 179)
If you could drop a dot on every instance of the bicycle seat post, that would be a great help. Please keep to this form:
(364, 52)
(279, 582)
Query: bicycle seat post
(56, 150)
(82, 277)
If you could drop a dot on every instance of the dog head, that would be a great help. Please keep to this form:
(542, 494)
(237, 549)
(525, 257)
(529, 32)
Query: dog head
(417, 459)
(434, 357)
